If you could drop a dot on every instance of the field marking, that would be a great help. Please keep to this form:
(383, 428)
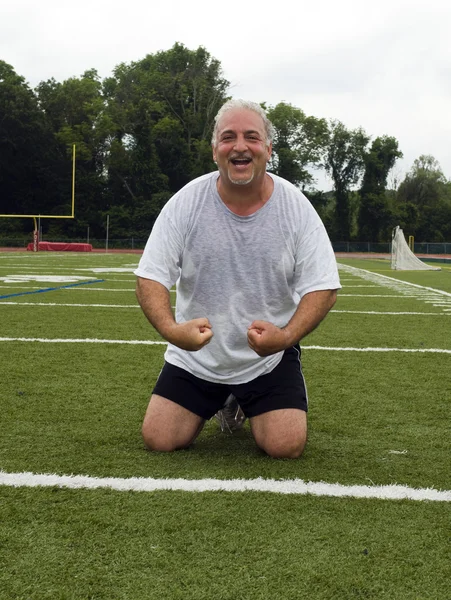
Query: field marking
(118, 289)
(82, 341)
(30, 287)
(83, 305)
(52, 289)
(397, 284)
(20, 287)
(287, 486)
(352, 312)
(380, 312)
(359, 286)
(340, 295)
(95, 289)
(370, 349)
(153, 342)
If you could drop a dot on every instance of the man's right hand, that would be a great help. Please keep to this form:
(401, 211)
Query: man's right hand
(191, 335)
(154, 299)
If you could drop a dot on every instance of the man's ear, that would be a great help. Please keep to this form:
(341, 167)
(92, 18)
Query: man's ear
(269, 150)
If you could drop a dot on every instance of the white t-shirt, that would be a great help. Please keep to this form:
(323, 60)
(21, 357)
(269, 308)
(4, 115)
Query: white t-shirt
(234, 270)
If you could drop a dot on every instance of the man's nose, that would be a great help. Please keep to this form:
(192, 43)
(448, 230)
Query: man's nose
(240, 143)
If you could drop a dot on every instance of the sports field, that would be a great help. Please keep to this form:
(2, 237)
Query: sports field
(87, 513)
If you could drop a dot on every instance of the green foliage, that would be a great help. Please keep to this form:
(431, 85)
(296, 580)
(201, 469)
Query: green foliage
(26, 151)
(298, 144)
(375, 214)
(344, 162)
(423, 201)
(140, 135)
(145, 132)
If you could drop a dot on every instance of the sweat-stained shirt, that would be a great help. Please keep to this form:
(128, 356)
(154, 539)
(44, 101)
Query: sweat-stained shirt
(234, 270)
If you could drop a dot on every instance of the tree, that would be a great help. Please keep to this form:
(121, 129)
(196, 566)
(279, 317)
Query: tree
(423, 201)
(163, 109)
(375, 215)
(76, 110)
(344, 162)
(298, 144)
(26, 147)
(423, 184)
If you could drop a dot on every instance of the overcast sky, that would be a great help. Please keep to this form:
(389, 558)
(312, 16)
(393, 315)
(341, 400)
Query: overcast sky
(383, 65)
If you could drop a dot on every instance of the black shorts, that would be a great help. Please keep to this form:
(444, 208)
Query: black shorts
(283, 387)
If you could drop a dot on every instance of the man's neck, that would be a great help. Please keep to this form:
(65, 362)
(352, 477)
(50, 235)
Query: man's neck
(245, 200)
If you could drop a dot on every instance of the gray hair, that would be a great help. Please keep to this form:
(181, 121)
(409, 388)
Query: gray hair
(248, 105)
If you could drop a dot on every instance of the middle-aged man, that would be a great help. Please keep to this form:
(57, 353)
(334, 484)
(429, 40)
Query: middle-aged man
(255, 273)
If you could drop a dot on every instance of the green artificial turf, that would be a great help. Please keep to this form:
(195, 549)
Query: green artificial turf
(76, 408)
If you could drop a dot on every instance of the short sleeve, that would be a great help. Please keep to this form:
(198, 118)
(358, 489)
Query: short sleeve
(315, 266)
(161, 259)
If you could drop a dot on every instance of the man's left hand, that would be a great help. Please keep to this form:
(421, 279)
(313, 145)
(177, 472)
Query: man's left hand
(265, 338)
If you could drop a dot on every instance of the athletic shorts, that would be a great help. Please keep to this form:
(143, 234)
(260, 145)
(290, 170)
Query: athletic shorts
(283, 387)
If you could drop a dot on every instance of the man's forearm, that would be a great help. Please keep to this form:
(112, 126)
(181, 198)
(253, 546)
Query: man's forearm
(266, 338)
(155, 301)
(311, 310)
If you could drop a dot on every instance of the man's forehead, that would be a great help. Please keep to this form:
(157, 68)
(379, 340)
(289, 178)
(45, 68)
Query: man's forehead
(241, 119)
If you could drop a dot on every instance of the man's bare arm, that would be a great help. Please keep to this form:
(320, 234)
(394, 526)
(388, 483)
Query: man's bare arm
(265, 338)
(155, 301)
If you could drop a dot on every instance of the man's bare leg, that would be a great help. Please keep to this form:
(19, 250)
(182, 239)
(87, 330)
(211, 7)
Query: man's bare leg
(168, 426)
(281, 433)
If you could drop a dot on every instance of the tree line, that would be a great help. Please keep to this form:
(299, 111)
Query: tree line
(144, 132)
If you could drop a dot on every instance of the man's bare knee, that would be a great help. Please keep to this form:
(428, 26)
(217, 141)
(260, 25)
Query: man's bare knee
(168, 426)
(281, 433)
(160, 444)
(283, 448)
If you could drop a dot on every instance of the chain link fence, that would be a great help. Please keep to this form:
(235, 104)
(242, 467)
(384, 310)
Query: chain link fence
(379, 248)
(139, 243)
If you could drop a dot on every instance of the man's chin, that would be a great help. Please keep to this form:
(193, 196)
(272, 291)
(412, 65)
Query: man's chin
(240, 181)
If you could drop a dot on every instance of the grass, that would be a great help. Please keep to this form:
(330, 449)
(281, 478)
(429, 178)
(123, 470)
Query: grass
(377, 418)
(103, 545)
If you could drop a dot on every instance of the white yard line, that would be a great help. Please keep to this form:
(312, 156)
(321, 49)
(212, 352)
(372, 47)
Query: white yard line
(340, 295)
(153, 342)
(378, 312)
(96, 289)
(369, 349)
(405, 287)
(83, 341)
(64, 304)
(287, 486)
(352, 312)
(358, 286)
(438, 298)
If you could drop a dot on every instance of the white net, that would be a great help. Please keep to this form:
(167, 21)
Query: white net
(402, 257)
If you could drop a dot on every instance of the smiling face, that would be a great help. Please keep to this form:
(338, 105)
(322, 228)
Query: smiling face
(240, 148)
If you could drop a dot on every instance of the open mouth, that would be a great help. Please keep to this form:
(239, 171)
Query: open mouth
(241, 162)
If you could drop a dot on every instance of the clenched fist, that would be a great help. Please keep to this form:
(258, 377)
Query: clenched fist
(265, 338)
(191, 335)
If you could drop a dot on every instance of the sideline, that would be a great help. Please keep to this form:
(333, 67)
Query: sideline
(385, 280)
(287, 486)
